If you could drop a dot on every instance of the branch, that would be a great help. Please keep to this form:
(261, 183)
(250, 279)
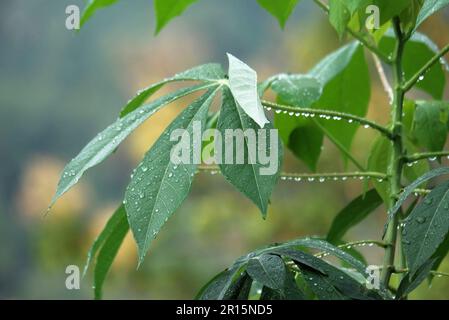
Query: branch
(313, 176)
(321, 177)
(418, 76)
(435, 273)
(358, 36)
(426, 155)
(327, 115)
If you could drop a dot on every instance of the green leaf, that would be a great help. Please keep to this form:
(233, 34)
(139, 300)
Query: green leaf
(302, 136)
(219, 287)
(268, 270)
(248, 177)
(105, 248)
(426, 227)
(92, 6)
(241, 288)
(321, 245)
(352, 214)
(346, 81)
(430, 124)
(305, 141)
(166, 10)
(410, 14)
(418, 51)
(280, 9)
(339, 279)
(321, 285)
(109, 139)
(297, 90)
(354, 5)
(159, 185)
(339, 16)
(429, 8)
(389, 9)
(289, 290)
(209, 73)
(243, 84)
(439, 255)
(410, 283)
(411, 188)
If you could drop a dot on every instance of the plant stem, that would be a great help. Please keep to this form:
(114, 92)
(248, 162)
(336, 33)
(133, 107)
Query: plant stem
(414, 79)
(327, 115)
(426, 155)
(336, 175)
(396, 162)
(316, 176)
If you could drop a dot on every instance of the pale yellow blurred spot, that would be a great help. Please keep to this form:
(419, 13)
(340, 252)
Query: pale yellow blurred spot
(37, 185)
(127, 255)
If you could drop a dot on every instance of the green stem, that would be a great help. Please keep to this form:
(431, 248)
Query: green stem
(426, 155)
(396, 163)
(315, 176)
(414, 79)
(327, 114)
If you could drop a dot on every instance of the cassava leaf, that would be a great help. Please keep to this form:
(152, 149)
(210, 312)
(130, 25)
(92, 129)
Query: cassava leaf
(321, 286)
(166, 10)
(243, 84)
(430, 124)
(219, 287)
(251, 176)
(159, 185)
(426, 228)
(418, 51)
(410, 283)
(280, 9)
(297, 90)
(109, 139)
(92, 6)
(411, 188)
(211, 73)
(352, 214)
(339, 16)
(268, 270)
(347, 88)
(105, 248)
(429, 8)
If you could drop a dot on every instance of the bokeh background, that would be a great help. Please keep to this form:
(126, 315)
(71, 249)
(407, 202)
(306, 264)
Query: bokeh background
(59, 88)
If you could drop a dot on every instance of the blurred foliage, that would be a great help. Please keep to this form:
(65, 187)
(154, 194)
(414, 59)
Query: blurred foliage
(58, 88)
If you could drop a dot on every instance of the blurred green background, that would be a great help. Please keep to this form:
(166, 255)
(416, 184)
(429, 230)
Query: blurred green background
(59, 88)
